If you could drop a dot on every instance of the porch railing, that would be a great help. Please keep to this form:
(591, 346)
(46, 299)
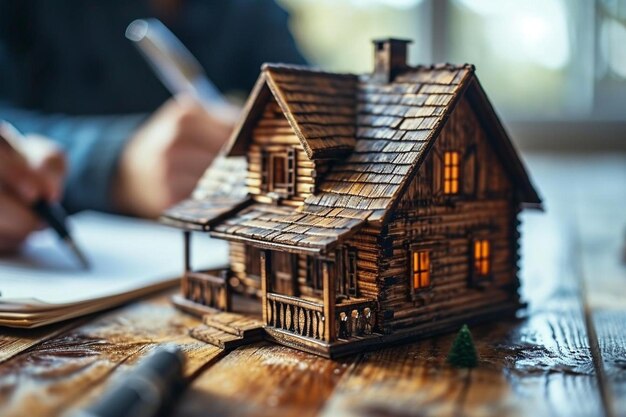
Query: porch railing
(209, 288)
(355, 318)
(295, 315)
(306, 318)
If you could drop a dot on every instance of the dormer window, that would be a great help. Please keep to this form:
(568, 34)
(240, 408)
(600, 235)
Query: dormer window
(451, 172)
(279, 171)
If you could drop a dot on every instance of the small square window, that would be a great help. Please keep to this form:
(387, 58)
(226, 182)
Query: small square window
(278, 170)
(420, 268)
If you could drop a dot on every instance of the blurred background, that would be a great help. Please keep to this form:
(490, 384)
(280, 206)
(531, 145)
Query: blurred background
(554, 69)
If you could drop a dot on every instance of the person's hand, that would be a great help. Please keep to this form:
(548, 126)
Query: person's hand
(35, 172)
(167, 155)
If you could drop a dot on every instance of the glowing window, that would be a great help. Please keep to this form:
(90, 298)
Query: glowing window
(420, 260)
(482, 265)
(451, 172)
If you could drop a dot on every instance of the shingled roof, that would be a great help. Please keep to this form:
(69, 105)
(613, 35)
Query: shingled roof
(320, 108)
(379, 133)
(220, 191)
(284, 227)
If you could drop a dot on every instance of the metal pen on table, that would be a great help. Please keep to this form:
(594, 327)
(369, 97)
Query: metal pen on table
(145, 391)
(52, 214)
(175, 66)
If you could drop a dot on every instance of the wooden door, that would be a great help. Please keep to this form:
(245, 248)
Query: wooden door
(284, 273)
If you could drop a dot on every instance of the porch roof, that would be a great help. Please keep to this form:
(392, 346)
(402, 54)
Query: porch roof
(286, 228)
(221, 191)
(199, 214)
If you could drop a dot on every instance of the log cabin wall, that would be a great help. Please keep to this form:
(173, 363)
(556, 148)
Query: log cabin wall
(367, 244)
(273, 133)
(244, 282)
(446, 225)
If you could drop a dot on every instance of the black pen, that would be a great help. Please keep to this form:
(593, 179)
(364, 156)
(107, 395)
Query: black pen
(145, 391)
(52, 214)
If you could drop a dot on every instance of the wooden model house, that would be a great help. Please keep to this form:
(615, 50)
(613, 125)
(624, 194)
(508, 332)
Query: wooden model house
(368, 209)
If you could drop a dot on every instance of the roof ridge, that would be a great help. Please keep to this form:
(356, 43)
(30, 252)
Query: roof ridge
(443, 65)
(278, 67)
(293, 68)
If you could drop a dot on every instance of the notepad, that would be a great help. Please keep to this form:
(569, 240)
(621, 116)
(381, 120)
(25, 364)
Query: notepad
(43, 284)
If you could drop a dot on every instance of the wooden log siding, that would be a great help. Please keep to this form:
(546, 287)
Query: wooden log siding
(273, 133)
(447, 225)
(238, 261)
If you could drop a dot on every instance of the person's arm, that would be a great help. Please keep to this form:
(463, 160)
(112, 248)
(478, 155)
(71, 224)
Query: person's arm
(93, 146)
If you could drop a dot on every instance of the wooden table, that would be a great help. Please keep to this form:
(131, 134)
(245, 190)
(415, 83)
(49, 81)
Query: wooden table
(564, 356)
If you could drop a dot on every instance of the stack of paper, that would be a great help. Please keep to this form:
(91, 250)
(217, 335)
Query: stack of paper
(129, 258)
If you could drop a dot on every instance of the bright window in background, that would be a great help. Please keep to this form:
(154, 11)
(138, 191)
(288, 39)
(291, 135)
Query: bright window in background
(336, 34)
(545, 59)
(550, 60)
(526, 53)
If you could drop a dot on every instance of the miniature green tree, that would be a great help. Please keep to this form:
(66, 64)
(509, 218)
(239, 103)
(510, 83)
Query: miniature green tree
(463, 353)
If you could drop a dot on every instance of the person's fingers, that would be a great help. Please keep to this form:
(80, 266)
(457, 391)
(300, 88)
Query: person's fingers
(49, 162)
(181, 187)
(16, 175)
(197, 125)
(9, 245)
(208, 132)
(17, 219)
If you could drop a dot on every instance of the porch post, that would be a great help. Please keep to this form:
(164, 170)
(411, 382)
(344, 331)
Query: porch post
(329, 302)
(187, 249)
(186, 261)
(265, 273)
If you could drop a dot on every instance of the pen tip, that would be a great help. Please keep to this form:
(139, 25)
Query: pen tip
(82, 259)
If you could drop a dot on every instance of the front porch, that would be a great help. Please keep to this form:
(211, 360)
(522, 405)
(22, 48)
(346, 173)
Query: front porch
(314, 324)
(210, 291)
(307, 301)
(307, 325)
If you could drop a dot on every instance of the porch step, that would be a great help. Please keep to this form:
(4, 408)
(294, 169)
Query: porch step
(235, 324)
(228, 330)
(216, 337)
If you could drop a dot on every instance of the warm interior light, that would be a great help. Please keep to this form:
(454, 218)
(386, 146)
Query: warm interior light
(421, 269)
(450, 172)
(481, 257)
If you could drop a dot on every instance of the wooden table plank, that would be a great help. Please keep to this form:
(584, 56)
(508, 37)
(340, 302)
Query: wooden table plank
(600, 217)
(14, 341)
(263, 380)
(72, 369)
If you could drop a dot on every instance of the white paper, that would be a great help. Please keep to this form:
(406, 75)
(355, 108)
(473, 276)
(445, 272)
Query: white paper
(125, 255)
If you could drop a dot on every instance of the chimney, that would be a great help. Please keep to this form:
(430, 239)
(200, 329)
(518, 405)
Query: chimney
(389, 58)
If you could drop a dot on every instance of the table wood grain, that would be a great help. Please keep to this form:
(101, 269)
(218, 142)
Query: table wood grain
(565, 355)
